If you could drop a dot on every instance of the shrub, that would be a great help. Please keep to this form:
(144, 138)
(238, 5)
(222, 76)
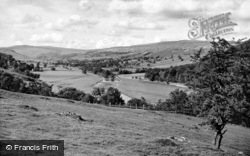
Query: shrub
(71, 93)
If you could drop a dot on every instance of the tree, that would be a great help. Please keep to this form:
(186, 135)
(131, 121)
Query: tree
(178, 99)
(71, 93)
(96, 91)
(137, 102)
(112, 96)
(222, 77)
(88, 98)
(84, 70)
(112, 77)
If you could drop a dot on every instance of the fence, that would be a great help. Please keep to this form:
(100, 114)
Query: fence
(144, 107)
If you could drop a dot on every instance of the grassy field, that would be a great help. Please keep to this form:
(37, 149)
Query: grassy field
(62, 78)
(111, 131)
(150, 91)
(135, 88)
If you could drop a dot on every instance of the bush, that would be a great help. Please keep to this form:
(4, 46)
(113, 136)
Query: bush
(113, 96)
(71, 93)
(88, 98)
(137, 102)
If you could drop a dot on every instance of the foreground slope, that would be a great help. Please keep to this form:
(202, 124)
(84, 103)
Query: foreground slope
(99, 130)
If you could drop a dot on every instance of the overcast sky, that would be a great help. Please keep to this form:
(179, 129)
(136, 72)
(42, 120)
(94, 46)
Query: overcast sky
(88, 24)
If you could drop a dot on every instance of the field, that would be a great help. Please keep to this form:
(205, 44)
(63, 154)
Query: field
(152, 92)
(136, 88)
(111, 131)
(62, 78)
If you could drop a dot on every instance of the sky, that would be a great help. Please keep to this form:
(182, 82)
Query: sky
(90, 24)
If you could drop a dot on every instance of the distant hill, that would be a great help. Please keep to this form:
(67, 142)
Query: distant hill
(161, 49)
(14, 54)
(157, 47)
(41, 51)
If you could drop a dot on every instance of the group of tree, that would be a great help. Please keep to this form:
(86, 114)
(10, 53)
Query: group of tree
(10, 63)
(74, 94)
(124, 71)
(140, 70)
(100, 71)
(181, 74)
(138, 103)
(99, 96)
(14, 83)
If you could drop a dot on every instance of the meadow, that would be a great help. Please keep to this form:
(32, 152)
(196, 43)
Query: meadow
(136, 88)
(62, 78)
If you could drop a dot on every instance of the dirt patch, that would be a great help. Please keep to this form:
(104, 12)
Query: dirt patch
(70, 101)
(45, 98)
(75, 116)
(165, 142)
(28, 107)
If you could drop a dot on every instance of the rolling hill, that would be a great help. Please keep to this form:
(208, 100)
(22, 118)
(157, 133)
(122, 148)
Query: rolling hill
(161, 49)
(36, 51)
(14, 54)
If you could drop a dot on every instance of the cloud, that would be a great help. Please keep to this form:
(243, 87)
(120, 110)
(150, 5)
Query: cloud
(170, 8)
(85, 4)
(124, 6)
(26, 21)
(177, 9)
(107, 42)
(76, 44)
(243, 11)
(74, 22)
(141, 25)
(47, 38)
(117, 31)
(44, 4)
(31, 19)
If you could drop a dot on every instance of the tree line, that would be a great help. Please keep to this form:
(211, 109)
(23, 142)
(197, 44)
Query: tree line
(8, 62)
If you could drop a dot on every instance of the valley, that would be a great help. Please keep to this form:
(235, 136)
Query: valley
(147, 106)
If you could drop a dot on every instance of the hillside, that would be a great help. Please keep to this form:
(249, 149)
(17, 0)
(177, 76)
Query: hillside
(36, 51)
(91, 129)
(14, 54)
(155, 49)
(163, 49)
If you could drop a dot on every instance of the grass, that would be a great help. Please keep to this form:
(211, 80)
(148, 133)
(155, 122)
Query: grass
(134, 88)
(150, 91)
(111, 131)
(62, 78)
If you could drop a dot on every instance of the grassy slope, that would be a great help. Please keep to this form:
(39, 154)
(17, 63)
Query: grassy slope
(113, 131)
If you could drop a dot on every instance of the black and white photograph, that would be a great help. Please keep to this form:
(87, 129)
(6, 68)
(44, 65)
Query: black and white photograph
(124, 78)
